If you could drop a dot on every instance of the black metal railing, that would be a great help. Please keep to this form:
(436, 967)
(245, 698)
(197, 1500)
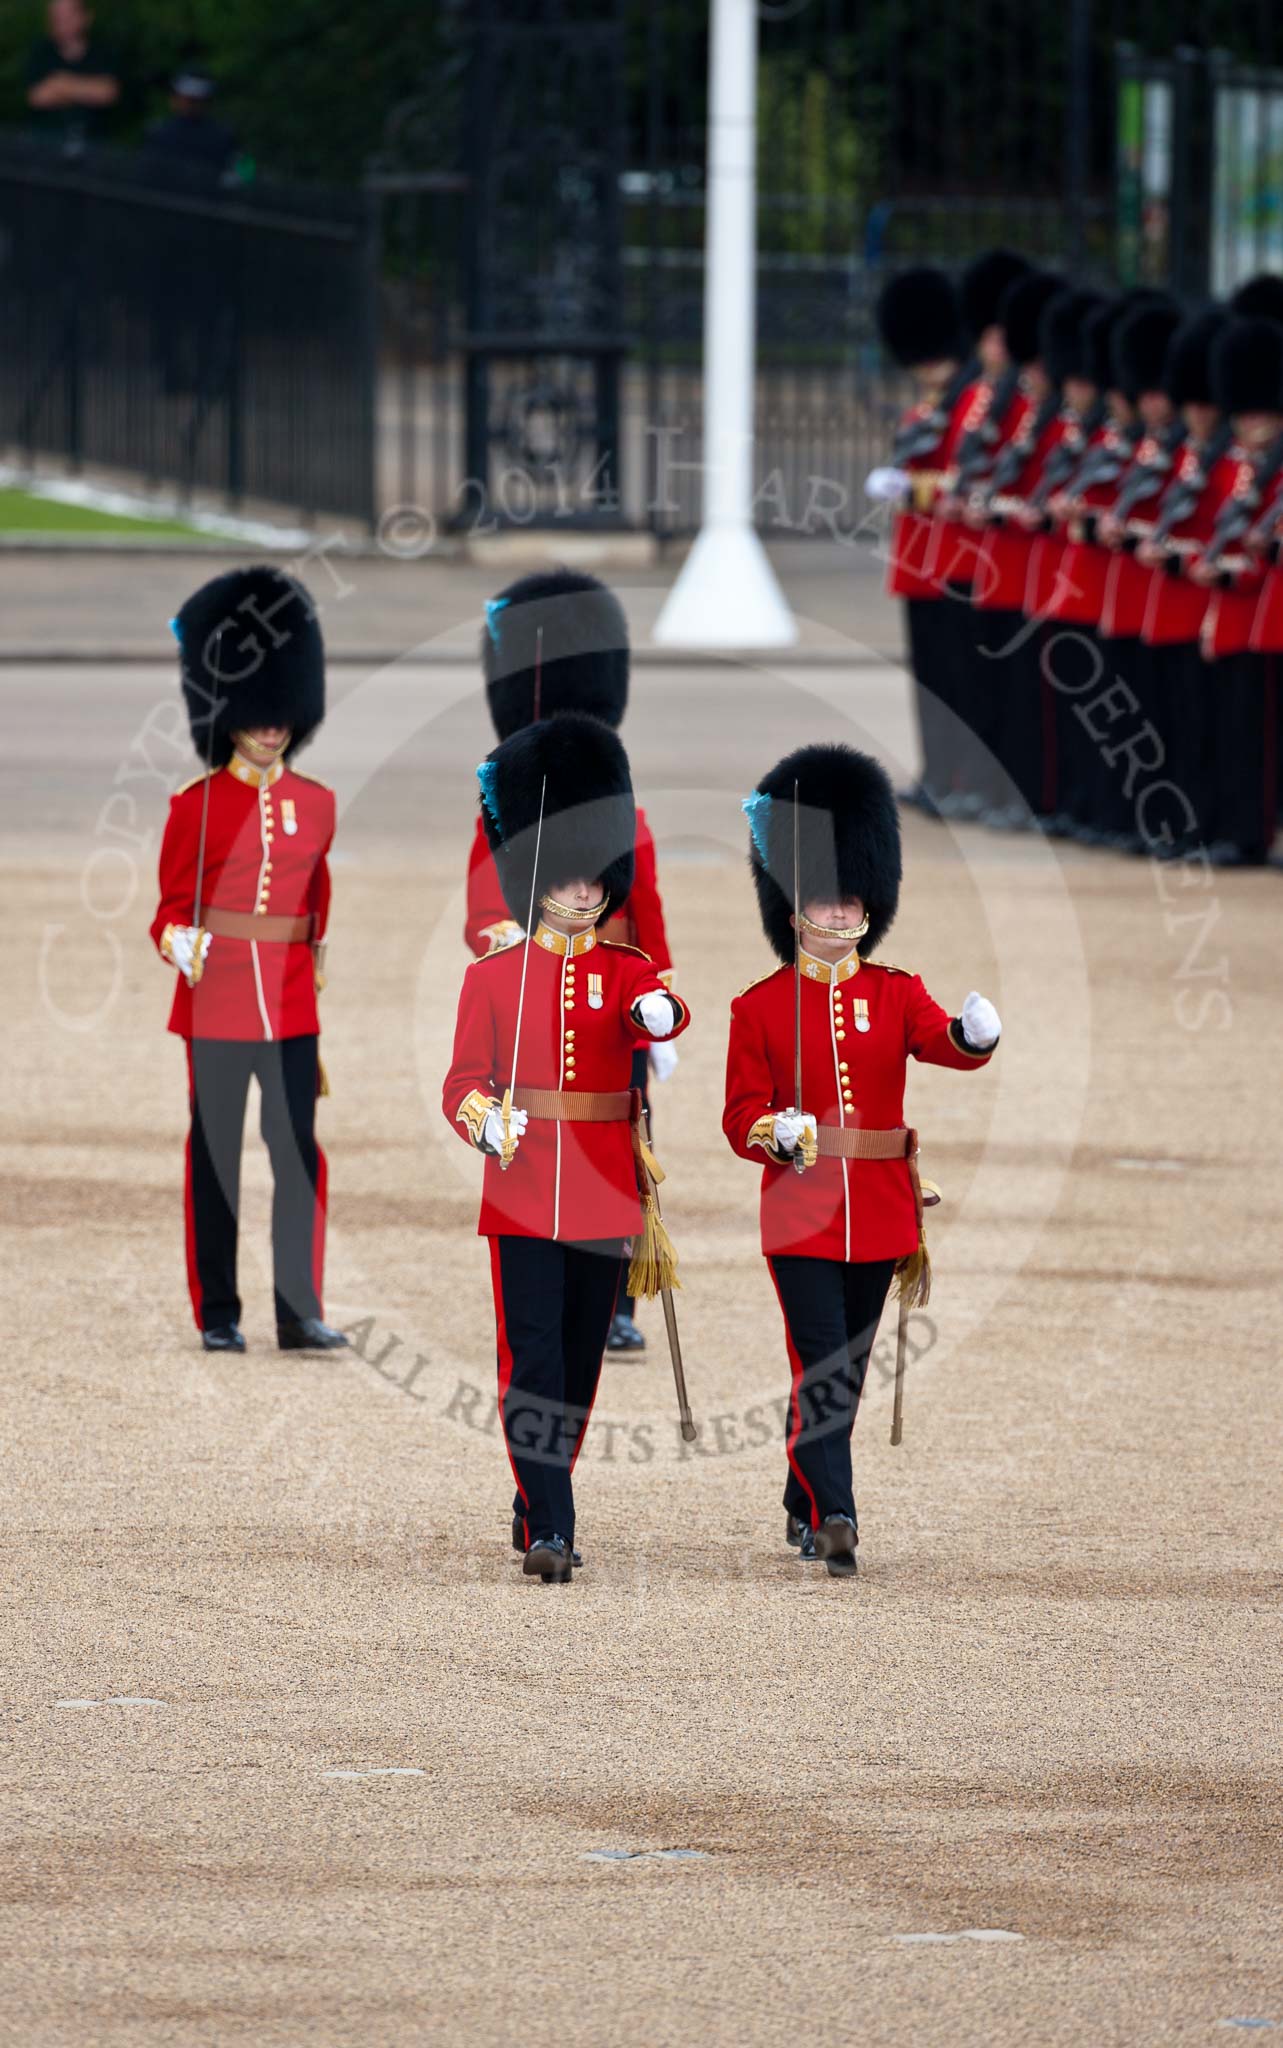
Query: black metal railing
(503, 327)
(187, 334)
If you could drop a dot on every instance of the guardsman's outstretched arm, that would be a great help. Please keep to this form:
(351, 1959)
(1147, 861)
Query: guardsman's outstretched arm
(938, 1040)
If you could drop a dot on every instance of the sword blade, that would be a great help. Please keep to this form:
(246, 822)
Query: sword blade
(529, 920)
(799, 1162)
(687, 1420)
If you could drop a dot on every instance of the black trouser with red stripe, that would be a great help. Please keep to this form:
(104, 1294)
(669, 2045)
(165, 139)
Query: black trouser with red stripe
(220, 1071)
(831, 1312)
(553, 1307)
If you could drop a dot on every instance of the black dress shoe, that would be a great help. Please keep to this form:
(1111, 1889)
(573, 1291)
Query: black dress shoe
(795, 1531)
(551, 1559)
(311, 1334)
(806, 1548)
(835, 1542)
(225, 1338)
(519, 1543)
(624, 1335)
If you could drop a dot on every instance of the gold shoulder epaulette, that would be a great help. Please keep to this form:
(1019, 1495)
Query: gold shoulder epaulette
(185, 786)
(888, 967)
(618, 946)
(496, 952)
(755, 983)
(313, 779)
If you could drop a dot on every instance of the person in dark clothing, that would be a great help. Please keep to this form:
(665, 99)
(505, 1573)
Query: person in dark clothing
(191, 139)
(72, 81)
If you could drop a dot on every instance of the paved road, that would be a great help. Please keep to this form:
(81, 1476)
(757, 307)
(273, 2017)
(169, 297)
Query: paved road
(1047, 1711)
(375, 605)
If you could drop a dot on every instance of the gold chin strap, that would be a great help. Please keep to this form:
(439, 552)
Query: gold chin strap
(237, 738)
(850, 932)
(571, 912)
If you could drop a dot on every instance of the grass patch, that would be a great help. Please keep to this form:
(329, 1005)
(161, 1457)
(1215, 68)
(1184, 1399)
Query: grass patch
(21, 512)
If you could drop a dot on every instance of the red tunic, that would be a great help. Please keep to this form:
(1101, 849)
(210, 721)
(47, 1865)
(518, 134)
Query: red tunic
(1126, 595)
(569, 1181)
(489, 921)
(1127, 580)
(848, 1209)
(1174, 606)
(1002, 568)
(952, 554)
(1231, 610)
(1079, 595)
(265, 851)
(1267, 624)
(913, 532)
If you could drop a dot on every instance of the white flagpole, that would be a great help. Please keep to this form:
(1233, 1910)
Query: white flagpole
(727, 594)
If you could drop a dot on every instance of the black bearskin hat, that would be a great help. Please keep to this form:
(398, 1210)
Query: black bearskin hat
(1098, 341)
(589, 821)
(1247, 367)
(1187, 372)
(1021, 311)
(919, 317)
(581, 660)
(1260, 298)
(848, 839)
(251, 654)
(983, 284)
(1061, 341)
(1139, 346)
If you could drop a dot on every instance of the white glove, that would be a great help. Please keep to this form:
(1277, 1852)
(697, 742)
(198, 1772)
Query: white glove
(980, 1021)
(492, 1129)
(656, 1013)
(663, 1061)
(183, 942)
(788, 1131)
(886, 483)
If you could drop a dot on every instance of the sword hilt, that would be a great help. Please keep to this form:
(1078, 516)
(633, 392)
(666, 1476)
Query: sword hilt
(806, 1150)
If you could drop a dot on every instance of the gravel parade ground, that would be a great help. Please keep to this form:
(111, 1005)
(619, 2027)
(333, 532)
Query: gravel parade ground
(294, 1753)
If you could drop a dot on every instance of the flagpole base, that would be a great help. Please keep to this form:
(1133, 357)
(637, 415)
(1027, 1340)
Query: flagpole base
(726, 596)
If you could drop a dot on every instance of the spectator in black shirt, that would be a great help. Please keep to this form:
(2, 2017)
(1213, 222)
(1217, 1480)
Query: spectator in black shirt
(71, 78)
(191, 139)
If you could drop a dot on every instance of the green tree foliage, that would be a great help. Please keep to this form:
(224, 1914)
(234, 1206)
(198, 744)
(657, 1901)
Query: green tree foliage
(308, 85)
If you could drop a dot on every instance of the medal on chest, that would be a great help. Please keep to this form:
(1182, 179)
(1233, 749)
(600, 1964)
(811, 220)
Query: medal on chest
(860, 1013)
(594, 992)
(289, 823)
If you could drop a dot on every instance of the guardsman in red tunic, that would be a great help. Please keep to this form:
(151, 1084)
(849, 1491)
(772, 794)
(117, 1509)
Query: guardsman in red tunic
(1140, 347)
(556, 1020)
(1068, 362)
(920, 322)
(244, 901)
(1004, 508)
(1083, 792)
(1174, 604)
(558, 641)
(986, 412)
(1247, 374)
(1264, 295)
(834, 1233)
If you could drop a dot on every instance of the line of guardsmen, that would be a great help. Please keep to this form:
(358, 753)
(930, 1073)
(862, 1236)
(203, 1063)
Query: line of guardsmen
(1088, 506)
